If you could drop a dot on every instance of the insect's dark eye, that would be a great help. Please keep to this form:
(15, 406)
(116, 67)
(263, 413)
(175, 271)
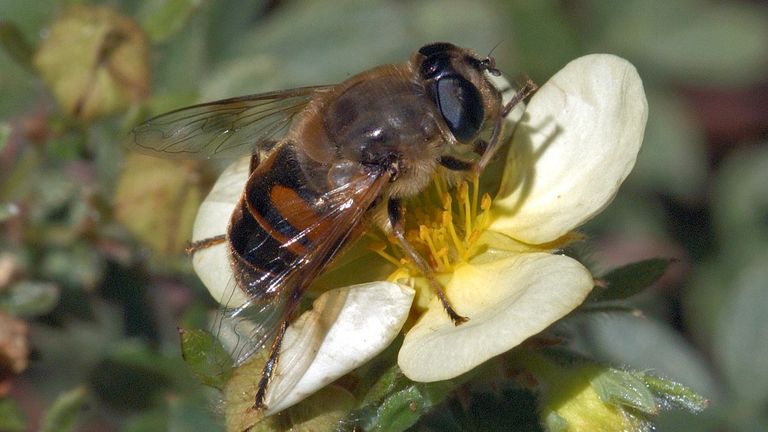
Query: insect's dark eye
(461, 106)
(437, 48)
(436, 66)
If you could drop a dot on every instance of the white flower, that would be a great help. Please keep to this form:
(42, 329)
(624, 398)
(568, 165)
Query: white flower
(345, 328)
(575, 145)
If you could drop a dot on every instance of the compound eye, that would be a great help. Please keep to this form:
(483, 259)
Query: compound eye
(461, 106)
(436, 66)
(437, 48)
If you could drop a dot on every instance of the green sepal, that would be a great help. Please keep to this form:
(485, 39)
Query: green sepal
(394, 403)
(626, 281)
(673, 393)
(624, 389)
(206, 357)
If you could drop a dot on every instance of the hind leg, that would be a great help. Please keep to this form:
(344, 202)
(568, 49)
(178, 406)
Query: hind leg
(269, 367)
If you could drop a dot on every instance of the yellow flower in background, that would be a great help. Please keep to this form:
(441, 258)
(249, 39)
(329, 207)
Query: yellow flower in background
(575, 144)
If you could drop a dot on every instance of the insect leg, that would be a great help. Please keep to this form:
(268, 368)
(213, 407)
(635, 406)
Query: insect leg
(493, 144)
(455, 164)
(395, 219)
(269, 367)
(205, 243)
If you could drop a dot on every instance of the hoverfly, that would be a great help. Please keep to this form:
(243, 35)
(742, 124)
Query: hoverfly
(326, 160)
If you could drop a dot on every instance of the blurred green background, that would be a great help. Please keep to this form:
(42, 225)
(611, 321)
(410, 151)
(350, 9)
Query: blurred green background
(92, 272)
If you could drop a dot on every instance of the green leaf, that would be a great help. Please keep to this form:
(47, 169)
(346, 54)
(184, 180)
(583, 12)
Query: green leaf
(5, 135)
(11, 417)
(62, 416)
(673, 159)
(559, 39)
(707, 291)
(30, 298)
(368, 33)
(163, 19)
(191, 413)
(321, 411)
(16, 45)
(630, 279)
(78, 265)
(389, 382)
(134, 376)
(395, 403)
(151, 420)
(401, 410)
(643, 344)
(205, 356)
(692, 41)
(622, 388)
(672, 393)
(740, 202)
(710, 420)
(740, 343)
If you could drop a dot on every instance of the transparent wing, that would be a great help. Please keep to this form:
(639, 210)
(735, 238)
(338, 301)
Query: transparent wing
(251, 327)
(222, 129)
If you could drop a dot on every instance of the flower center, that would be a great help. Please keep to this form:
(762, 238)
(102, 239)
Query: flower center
(443, 223)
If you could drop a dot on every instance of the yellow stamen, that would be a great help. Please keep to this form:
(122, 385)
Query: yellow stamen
(438, 186)
(475, 195)
(485, 205)
(442, 255)
(446, 201)
(444, 224)
(380, 249)
(399, 275)
(467, 207)
(448, 222)
(424, 235)
(373, 235)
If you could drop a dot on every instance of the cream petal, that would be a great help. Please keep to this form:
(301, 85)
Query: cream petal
(506, 300)
(345, 328)
(212, 264)
(576, 144)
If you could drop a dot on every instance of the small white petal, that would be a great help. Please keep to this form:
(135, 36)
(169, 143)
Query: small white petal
(577, 143)
(506, 301)
(345, 328)
(212, 264)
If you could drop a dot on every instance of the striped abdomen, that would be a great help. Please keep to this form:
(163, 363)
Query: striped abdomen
(278, 224)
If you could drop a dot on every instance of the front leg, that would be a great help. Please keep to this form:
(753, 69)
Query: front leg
(455, 164)
(395, 214)
(494, 143)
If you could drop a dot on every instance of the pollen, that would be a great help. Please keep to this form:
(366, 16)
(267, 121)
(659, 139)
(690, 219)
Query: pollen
(443, 223)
